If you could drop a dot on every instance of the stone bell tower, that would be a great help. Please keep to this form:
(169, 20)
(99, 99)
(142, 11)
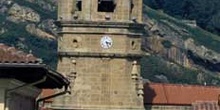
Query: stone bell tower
(99, 49)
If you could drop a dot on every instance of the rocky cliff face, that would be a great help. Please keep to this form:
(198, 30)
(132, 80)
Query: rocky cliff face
(174, 47)
(28, 25)
(167, 43)
(17, 13)
(178, 45)
(20, 12)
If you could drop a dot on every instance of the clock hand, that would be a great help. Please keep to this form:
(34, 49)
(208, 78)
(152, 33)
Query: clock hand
(108, 43)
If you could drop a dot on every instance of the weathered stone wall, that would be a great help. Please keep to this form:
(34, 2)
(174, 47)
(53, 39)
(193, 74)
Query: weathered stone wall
(101, 78)
(125, 11)
(21, 102)
(91, 42)
(205, 105)
(99, 83)
(17, 99)
(167, 107)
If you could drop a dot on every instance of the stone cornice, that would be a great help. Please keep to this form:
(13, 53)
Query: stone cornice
(101, 55)
(110, 33)
(106, 24)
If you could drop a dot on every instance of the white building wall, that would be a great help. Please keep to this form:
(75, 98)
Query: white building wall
(17, 99)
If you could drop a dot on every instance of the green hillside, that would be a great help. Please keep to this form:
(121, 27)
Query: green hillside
(158, 66)
(202, 37)
(205, 12)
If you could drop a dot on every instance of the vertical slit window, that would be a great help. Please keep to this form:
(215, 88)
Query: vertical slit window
(131, 6)
(79, 5)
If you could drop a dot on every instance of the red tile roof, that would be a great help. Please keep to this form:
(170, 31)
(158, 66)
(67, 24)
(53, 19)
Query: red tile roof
(46, 93)
(170, 94)
(12, 55)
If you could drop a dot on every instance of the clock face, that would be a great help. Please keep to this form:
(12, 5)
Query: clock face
(106, 42)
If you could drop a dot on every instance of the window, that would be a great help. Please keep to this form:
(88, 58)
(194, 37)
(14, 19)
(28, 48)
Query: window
(131, 6)
(75, 43)
(106, 5)
(79, 5)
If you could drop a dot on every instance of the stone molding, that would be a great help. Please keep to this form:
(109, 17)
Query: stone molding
(88, 54)
(108, 24)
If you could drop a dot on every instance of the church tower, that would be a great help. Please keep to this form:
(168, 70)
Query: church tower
(99, 48)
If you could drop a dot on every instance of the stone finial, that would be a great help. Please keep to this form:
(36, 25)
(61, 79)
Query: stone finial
(72, 75)
(134, 71)
(140, 87)
(140, 93)
(140, 83)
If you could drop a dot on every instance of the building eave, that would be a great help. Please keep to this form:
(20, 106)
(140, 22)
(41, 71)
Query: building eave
(29, 72)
